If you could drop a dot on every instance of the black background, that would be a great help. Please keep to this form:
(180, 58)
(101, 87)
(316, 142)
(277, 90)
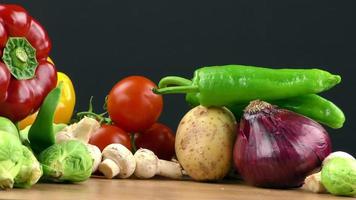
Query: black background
(97, 43)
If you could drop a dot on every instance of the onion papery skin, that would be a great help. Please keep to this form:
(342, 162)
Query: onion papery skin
(277, 148)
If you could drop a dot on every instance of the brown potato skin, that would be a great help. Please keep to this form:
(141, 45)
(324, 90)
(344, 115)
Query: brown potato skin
(204, 142)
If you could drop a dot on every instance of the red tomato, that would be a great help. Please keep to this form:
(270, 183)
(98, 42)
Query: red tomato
(159, 139)
(109, 134)
(132, 105)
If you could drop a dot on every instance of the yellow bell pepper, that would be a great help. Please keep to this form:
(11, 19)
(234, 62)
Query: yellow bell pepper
(66, 104)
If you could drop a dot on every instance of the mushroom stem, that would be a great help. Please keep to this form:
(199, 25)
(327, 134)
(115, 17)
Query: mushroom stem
(109, 168)
(312, 183)
(148, 165)
(169, 169)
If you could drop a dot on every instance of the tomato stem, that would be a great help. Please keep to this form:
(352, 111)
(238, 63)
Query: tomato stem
(133, 144)
(90, 113)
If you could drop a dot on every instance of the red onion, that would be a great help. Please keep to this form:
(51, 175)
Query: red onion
(278, 148)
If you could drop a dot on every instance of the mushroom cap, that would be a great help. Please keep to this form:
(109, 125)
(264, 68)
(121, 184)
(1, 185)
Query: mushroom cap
(95, 154)
(81, 130)
(146, 163)
(122, 157)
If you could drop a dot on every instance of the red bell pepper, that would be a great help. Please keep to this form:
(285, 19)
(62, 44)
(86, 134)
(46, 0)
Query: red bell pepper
(26, 77)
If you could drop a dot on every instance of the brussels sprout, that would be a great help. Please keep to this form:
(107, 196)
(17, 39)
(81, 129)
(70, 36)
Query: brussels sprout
(338, 176)
(11, 159)
(30, 172)
(7, 126)
(69, 161)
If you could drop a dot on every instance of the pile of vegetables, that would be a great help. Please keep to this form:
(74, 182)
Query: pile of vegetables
(28, 80)
(275, 139)
(44, 146)
(260, 123)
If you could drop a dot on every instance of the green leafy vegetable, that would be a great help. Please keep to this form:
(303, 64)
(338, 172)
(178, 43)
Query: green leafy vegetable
(31, 170)
(69, 161)
(11, 159)
(339, 176)
(6, 125)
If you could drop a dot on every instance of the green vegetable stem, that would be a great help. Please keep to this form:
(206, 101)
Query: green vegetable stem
(41, 134)
(236, 84)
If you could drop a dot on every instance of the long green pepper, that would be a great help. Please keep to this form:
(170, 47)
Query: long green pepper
(236, 84)
(310, 105)
(41, 134)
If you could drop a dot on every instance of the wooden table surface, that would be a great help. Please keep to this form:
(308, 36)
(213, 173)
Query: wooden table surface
(99, 189)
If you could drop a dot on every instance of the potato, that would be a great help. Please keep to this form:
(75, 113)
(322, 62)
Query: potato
(204, 142)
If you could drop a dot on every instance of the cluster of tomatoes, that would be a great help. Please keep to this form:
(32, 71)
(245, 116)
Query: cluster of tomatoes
(134, 110)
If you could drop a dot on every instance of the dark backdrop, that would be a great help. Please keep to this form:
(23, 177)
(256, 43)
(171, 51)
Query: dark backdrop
(99, 42)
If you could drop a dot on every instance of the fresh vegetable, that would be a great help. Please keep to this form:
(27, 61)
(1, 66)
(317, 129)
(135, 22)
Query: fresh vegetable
(65, 106)
(310, 105)
(30, 172)
(204, 142)
(110, 134)
(338, 176)
(24, 132)
(41, 134)
(11, 159)
(313, 183)
(69, 161)
(132, 105)
(95, 153)
(81, 130)
(26, 77)
(278, 148)
(235, 84)
(118, 161)
(148, 165)
(7, 126)
(316, 108)
(159, 138)
(337, 154)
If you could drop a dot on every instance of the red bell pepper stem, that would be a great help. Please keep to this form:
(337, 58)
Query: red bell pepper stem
(20, 58)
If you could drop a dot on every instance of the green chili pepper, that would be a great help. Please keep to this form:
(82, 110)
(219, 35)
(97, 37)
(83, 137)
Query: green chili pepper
(41, 134)
(236, 84)
(315, 107)
(24, 132)
(310, 105)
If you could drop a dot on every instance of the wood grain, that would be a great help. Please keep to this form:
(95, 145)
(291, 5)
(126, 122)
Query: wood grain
(97, 188)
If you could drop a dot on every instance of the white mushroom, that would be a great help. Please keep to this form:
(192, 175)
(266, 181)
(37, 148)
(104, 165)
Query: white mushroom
(148, 165)
(312, 183)
(78, 131)
(96, 155)
(118, 161)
